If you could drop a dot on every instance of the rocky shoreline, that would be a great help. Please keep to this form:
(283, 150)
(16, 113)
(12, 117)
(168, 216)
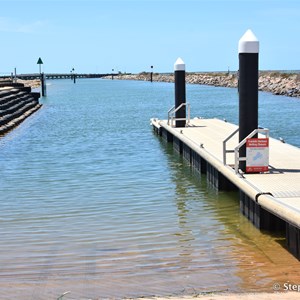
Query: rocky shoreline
(287, 84)
(35, 83)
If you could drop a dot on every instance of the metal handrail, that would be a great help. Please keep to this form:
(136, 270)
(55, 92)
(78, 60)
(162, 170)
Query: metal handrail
(225, 151)
(173, 110)
(237, 158)
(169, 112)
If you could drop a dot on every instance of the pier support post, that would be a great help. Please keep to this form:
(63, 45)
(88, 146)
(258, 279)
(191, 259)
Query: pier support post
(248, 88)
(180, 95)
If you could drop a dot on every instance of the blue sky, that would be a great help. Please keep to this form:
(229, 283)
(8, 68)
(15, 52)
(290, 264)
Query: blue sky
(96, 36)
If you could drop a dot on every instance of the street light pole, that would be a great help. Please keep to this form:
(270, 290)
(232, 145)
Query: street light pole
(42, 77)
(74, 75)
(151, 74)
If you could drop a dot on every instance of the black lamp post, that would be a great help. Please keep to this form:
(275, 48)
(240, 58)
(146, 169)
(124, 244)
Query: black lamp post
(151, 74)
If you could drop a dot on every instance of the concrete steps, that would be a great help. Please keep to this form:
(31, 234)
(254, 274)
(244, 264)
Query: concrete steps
(16, 104)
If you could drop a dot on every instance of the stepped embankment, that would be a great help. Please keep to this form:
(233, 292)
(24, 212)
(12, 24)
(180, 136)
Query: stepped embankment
(278, 83)
(17, 103)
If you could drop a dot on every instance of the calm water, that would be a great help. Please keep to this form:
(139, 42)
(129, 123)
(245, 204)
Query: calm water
(92, 202)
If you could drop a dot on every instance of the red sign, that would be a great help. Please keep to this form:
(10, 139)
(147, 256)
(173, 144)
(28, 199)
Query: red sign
(257, 143)
(257, 155)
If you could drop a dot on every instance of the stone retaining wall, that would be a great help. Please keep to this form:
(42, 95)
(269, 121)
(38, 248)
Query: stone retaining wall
(16, 104)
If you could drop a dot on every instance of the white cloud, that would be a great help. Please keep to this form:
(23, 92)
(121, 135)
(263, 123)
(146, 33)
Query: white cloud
(10, 25)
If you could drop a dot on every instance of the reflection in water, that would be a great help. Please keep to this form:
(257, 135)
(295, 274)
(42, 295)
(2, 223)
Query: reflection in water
(94, 204)
(185, 237)
(245, 258)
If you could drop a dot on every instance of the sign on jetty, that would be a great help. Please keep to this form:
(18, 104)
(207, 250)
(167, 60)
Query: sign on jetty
(235, 157)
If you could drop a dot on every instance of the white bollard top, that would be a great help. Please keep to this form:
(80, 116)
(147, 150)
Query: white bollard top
(179, 65)
(248, 43)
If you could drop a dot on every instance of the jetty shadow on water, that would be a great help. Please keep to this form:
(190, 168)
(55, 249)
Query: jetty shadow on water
(219, 241)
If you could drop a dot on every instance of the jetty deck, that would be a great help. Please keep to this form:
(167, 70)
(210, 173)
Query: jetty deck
(276, 191)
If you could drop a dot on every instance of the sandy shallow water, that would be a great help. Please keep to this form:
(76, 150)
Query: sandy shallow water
(246, 296)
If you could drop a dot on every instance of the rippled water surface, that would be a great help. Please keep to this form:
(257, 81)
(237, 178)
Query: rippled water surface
(92, 202)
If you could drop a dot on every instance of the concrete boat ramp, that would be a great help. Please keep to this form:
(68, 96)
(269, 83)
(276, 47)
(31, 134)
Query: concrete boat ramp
(271, 200)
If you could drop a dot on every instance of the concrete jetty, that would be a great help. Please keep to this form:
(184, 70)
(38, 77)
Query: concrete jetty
(271, 200)
(265, 171)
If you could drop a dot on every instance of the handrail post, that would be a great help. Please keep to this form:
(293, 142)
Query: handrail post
(224, 152)
(224, 145)
(189, 113)
(169, 112)
(236, 160)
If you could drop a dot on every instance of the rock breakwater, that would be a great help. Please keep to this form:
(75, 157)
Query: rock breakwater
(287, 84)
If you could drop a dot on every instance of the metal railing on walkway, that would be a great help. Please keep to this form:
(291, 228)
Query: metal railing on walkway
(237, 157)
(172, 111)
